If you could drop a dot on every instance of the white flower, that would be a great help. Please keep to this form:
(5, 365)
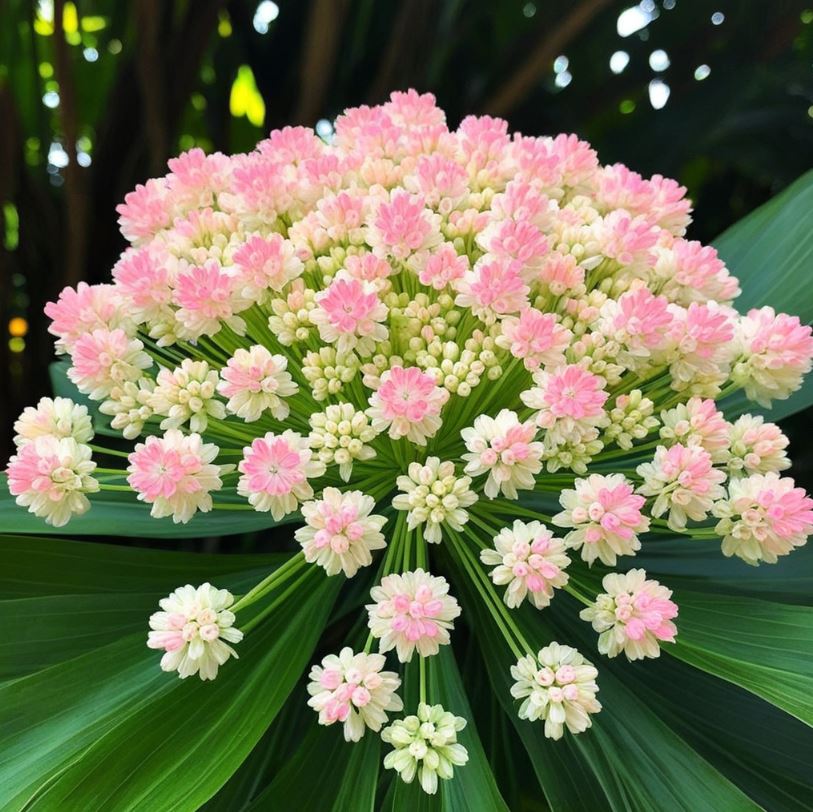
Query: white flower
(129, 405)
(254, 381)
(187, 393)
(503, 447)
(425, 745)
(530, 560)
(340, 436)
(50, 476)
(57, 417)
(194, 628)
(559, 686)
(757, 447)
(434, 495)
(352, 689)
(412, 611)
(340, 533)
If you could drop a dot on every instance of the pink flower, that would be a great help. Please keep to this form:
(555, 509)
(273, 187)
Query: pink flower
(441, 182)
(482, 143)
(776, 353)
(408, 403)
(87, 308)
(145, 211)
(518, 240)
(561, 273)
(639, 320)
(353, 689)
(443, 268)
(175, 474)
(697, 422)
(196, 178)
(50, 476)
(265, 263)
(693, 272)
(103, 359)
(683, 482)
(291, 145)
(756, 447)
(254, 381)
(626, 239)
(567, 399)
(54, 417)
(535, 337)
(350, 314)
(275, 472)
(367, 268)
(494, 287)
(339, 532)
(412, 611)
(530, 561)
(207, 298)
(762, 517)
(523, 202)
(505, 449)
(260, 190)
(701, 335)
(605, 515)
(633, 615)
(402, 226)
(144, 278)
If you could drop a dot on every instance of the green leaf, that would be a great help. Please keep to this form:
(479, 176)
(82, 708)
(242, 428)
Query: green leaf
(761, 646)
(771, 252)
(108, 728)
(629, 759)
(121, 514)
(347, 774)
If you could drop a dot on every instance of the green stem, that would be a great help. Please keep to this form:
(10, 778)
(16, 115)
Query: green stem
(280, 574)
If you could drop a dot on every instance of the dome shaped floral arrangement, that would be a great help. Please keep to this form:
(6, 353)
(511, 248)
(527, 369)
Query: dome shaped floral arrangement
(487, 378)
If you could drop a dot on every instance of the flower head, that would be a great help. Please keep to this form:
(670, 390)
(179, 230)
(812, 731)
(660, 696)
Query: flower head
(530, 561)
(426, 745)
(559, 686)
(340, 436)
(756, 447)
(254, 381)
(195, 627)
(413, 611)
(104, 359)
(633, 615)
(505, 449)
(187, 394)
(50, 476)
(175, 474)
(339, 532)
(353, 689)
(433, 494)
(762, 517)
(54, 417)
(83, 310)
(407, 403)
(275, 472)
(697, 422)
(683, 482)
(605, 515)
(536, 338)
(350, 314)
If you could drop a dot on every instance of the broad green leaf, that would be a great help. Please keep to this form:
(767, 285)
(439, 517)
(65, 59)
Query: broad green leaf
(121, 514)
(727, 725)
(31, 566)
(109, 729)
(761, 646)
(347, 774)
(629, 759)
(771, 252)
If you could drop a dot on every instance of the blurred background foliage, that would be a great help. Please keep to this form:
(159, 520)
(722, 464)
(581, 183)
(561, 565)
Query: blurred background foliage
(95, 95)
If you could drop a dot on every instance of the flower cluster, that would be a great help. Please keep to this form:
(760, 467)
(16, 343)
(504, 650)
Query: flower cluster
(412, 336)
